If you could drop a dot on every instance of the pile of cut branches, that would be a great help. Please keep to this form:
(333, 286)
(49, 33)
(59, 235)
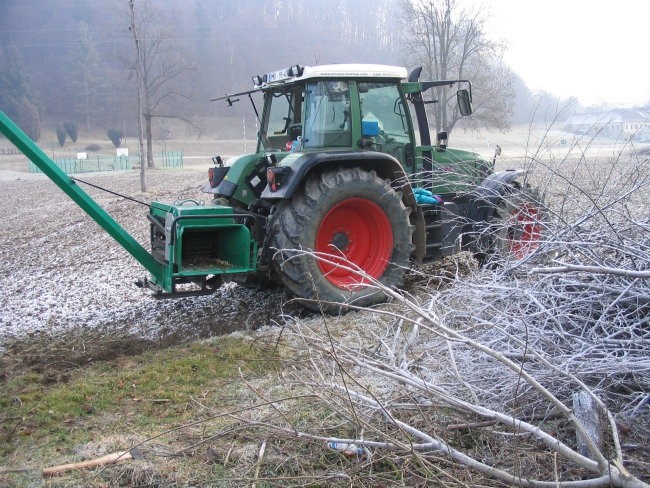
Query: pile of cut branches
(531, 372)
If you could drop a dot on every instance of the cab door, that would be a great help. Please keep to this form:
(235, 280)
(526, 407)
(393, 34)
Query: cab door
(385, 120)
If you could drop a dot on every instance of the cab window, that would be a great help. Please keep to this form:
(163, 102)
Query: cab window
(382, 108)
(381, 102)
(281, 118)
(327, 115)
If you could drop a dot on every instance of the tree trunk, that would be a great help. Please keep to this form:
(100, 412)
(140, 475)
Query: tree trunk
(150, 162)
(143, 185)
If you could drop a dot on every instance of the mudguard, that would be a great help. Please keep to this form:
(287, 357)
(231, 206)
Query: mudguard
(302, 164)
(487, 196)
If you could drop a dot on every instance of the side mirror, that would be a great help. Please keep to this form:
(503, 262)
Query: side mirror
(442, 140)
(464, 102)
(295, 130)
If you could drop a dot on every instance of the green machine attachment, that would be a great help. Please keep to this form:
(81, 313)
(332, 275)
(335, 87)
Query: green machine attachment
(199, 243)
(191, 243)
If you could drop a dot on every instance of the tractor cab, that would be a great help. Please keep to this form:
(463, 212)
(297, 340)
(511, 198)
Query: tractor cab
(339, 107)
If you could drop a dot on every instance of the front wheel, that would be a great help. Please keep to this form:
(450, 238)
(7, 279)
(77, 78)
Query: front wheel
(340, 232)
(517, 225)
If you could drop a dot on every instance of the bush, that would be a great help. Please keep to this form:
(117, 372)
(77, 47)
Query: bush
(92, 147)
(115, 136)
(72, 130)
(61, 135)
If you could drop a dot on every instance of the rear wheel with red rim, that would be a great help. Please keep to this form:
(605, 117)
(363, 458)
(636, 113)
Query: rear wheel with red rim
(518, 225)
(357, 231)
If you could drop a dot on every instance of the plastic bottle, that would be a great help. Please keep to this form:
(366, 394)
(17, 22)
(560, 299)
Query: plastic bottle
(346, 448)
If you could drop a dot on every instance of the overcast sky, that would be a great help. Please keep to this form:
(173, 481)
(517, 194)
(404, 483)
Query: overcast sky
(595, 50)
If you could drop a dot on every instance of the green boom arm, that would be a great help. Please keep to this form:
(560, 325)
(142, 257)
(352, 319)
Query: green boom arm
(80, 197)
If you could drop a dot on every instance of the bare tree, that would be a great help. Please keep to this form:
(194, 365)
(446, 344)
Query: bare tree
(136, 40)
(161, 66)
(450, 43)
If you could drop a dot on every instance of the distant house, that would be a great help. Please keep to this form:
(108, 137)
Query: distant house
(613, 123)
(635, 121)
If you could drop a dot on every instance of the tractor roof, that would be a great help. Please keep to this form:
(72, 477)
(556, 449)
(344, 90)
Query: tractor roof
(298, 73)
(337, 71)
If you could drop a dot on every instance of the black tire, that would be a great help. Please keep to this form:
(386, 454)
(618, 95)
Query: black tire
(317, 218)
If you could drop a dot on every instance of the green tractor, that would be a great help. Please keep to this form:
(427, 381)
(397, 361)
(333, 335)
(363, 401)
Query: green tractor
(338, 198)
(349, 197)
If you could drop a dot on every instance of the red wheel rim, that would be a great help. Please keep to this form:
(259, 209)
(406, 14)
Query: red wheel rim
(354, 231)
(524, 230)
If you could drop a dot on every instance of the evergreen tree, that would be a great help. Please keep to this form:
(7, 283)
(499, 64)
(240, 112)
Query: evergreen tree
(115, 136)
(71, 129)
(86, 75)
(17, 98)
(61, 135)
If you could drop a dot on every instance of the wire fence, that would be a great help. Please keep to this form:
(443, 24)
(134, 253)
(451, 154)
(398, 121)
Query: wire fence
(172, 159)
(169, 159)
(9, 151)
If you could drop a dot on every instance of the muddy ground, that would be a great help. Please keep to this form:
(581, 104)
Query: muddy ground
(66, 281)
